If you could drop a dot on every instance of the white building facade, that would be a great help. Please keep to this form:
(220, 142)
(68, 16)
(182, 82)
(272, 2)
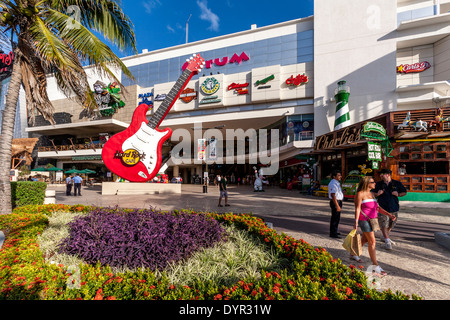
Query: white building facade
(281, 77)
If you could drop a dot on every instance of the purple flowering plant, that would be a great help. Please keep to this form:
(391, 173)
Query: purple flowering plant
(139, 238)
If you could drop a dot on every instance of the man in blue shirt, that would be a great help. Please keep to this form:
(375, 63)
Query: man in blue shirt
(387, 192)
(69, 184)
(77, 183)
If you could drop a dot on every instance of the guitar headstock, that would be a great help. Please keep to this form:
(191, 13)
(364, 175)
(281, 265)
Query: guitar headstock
(195, 63)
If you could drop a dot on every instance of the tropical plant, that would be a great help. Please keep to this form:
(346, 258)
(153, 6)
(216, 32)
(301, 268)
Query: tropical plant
(55, 36)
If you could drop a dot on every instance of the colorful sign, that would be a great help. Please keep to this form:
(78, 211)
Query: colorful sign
(210, 86)
(201, 147)
(374, 151)
(188, 95)
(264, 81)
(298, 80)
(146, 98)
(235, 58)
(108, 98)
(415, 67)
(239, 88)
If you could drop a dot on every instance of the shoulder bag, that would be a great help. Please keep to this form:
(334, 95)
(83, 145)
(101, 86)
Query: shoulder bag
(373, 222)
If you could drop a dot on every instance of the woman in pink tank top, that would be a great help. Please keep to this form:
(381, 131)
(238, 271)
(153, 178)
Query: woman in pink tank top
(366, 207)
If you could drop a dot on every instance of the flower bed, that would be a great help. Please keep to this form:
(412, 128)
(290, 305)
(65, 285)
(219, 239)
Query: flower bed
(313, 274)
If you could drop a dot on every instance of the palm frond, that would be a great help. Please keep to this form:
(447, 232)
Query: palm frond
(86, 45)
(49, 47)
(104, 16)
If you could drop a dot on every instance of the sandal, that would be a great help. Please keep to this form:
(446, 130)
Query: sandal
(356, 258)
(380, 271)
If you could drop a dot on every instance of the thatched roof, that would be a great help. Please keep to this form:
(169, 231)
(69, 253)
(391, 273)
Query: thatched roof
(23, 147)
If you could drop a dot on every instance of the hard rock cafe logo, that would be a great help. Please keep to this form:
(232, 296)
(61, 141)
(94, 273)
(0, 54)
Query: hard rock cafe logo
(129, 157)
(210, 86)
(188, 95)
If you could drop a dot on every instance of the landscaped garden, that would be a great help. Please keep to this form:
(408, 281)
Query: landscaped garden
(61, 252)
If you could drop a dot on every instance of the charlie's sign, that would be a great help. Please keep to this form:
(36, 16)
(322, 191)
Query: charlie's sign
(348, 135)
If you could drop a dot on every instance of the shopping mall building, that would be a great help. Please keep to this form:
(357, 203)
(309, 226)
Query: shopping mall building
(392, 55)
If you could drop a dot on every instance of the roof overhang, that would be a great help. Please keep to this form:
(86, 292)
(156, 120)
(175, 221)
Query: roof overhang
(85, 128)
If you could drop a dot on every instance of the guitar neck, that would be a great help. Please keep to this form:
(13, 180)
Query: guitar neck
(170, 99)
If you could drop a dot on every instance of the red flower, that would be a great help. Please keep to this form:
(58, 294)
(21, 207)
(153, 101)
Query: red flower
(254, 293)
(99, 295)
(276, 289)
(349, 291)
(218, 297)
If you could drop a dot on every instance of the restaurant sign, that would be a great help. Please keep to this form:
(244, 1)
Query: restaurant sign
(348, 135)
(415, 67)
(373, 130)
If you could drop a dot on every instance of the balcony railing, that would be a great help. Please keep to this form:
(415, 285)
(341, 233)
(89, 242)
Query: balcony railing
(74, 147)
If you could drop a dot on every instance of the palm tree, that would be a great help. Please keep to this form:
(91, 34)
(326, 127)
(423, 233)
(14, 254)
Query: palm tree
(54, 37)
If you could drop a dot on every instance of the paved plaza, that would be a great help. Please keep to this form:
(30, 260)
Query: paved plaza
(417, 264)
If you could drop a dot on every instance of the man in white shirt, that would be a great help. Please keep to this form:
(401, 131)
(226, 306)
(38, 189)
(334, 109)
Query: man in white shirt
(336, 196)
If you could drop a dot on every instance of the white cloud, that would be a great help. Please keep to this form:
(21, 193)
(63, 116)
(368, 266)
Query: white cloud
(149, 5)
(208, 15)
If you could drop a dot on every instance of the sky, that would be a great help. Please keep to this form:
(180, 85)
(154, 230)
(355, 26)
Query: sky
(162, 23)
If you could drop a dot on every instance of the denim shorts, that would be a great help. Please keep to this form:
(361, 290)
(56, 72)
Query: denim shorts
(223, 193)
(365, 226)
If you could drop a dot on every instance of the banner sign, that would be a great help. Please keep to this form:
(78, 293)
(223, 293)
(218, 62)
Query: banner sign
(201, 147)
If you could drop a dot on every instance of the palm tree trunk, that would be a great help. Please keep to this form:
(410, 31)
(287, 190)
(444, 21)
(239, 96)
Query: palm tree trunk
(8, 120)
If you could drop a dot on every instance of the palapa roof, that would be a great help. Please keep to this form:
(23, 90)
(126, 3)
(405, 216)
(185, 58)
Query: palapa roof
(23, 147)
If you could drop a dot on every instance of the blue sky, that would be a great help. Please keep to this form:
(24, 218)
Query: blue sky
(162, 23)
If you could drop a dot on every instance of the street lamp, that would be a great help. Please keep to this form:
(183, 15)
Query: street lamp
(205, 183)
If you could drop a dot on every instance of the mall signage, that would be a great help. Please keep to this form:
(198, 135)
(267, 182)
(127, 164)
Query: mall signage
(6, 62)
(297, 81)
(415, 67)
(188, 95)
(239, 88)
(264, 81)
(146, 98)
(209, 87)
(235, 58)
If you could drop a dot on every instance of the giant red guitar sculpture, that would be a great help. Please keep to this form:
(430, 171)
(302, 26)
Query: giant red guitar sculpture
(135, 154)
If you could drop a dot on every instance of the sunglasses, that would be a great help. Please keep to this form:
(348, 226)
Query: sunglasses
(372, 182)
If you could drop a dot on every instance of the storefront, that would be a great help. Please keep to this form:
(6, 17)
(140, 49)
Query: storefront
(421, 157)
(417, 153)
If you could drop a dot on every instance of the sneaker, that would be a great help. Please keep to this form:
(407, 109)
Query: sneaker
(388, 244)
(220, 205)
(227, 205)
(356, 258)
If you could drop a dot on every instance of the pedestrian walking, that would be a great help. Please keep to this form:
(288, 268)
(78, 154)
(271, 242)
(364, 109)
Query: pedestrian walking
(77, 180)
(223, 191)
(69, 184)
(336, 196)
(387, 192)
(366, 207)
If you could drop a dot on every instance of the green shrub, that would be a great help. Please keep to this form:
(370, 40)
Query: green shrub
(312, 274)
(27, 193)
